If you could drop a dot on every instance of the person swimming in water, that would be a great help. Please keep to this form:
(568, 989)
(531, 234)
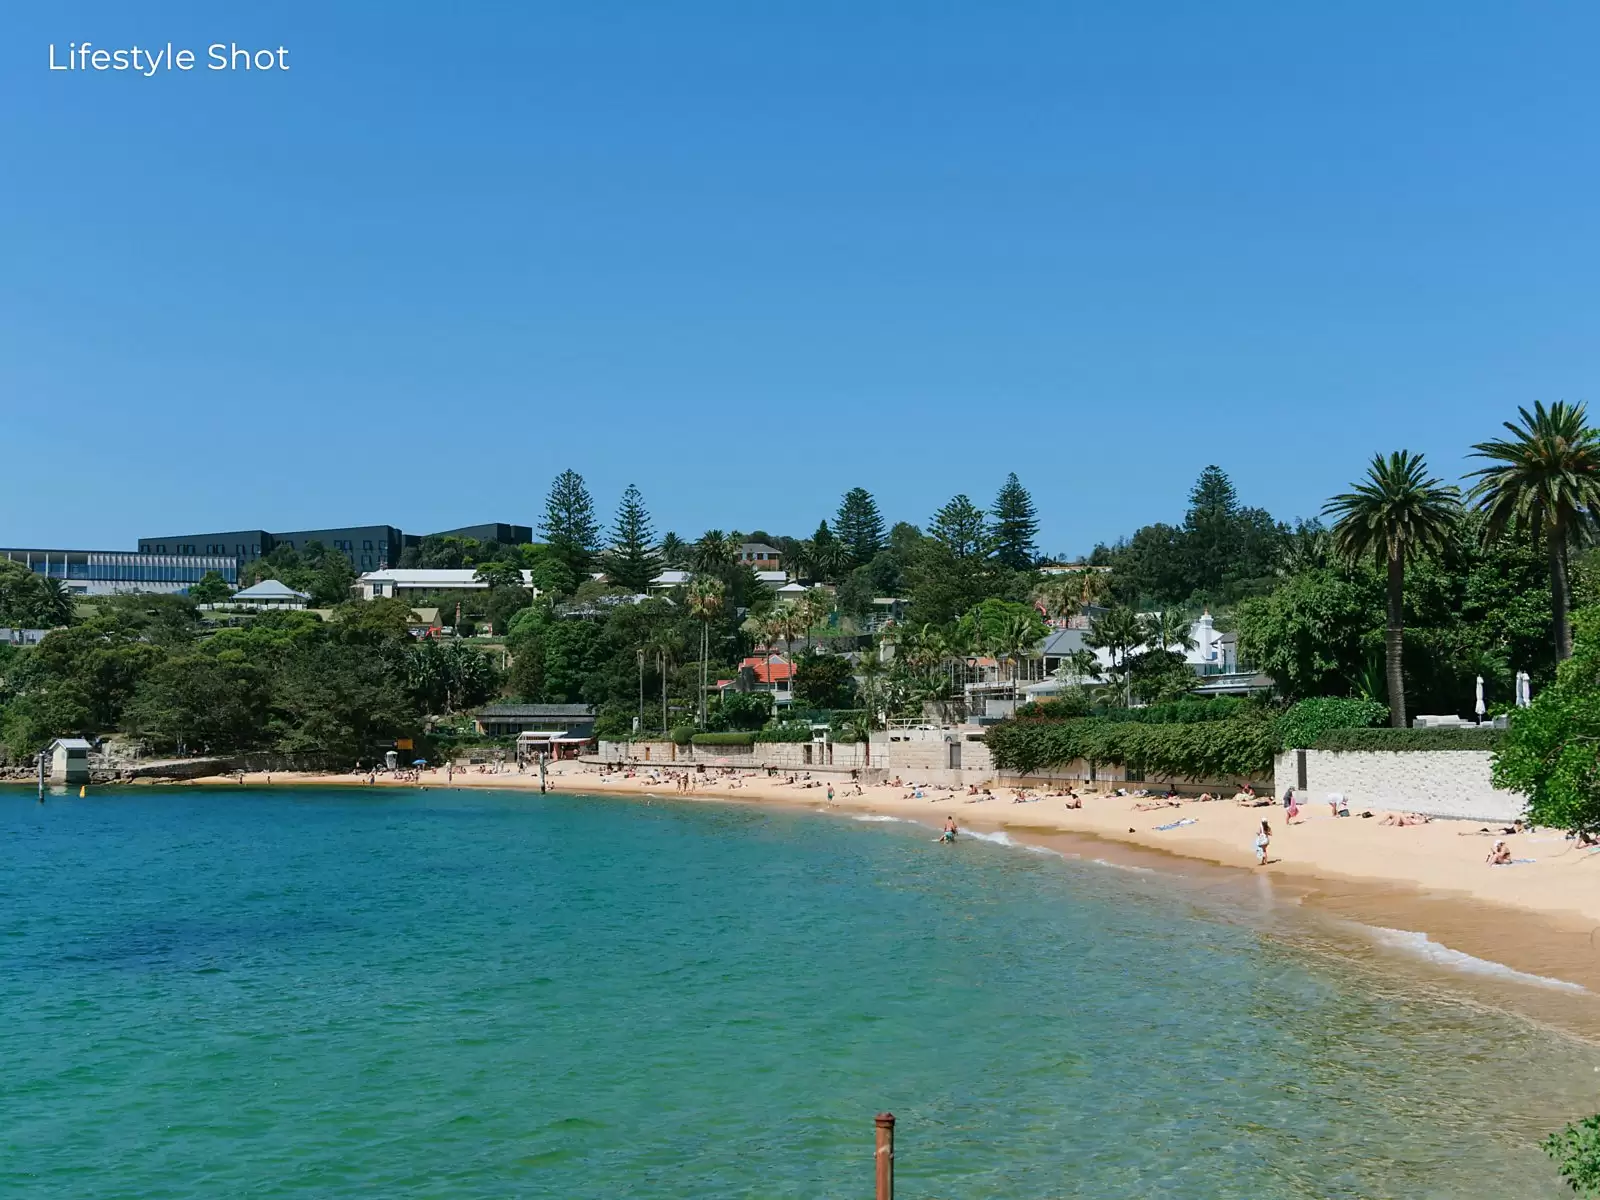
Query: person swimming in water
(949, 834)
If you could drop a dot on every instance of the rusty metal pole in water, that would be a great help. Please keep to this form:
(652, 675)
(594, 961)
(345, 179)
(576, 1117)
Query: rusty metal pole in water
(885, 1156)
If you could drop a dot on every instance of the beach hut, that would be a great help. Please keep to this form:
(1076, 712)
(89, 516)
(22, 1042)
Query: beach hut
(69, 760)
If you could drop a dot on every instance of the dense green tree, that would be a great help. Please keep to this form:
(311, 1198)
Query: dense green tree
(1544, 484)
(858, 526)
(449, 676)
(825, 681)
(212, 588)
(953, 567)
(1551, 753)
(202, 702)
(1016, 526)
(826, 555)
(569, 525)
(341, 697)
(29, 600)
(1395, 514)
(499, 574)
(1315, 632)
(631, 561)
(326, 575)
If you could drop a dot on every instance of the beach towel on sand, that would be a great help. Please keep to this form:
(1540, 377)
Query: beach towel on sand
(1175, 824)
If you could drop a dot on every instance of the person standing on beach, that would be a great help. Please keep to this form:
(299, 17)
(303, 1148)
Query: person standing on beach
(1263, 840)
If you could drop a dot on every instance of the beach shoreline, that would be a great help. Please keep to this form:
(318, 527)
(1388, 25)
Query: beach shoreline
(1427, 882)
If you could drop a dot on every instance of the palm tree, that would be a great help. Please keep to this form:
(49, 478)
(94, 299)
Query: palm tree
(705, 598)
(1168, 629)
(714, 553)
(813, 607)
(1017, 635)
(871, 669)
(673, 551)
(1396, 513)
(1078, 666)
(1057, 595)
(1117, 632)
(663, 645)
(1091, 585)
(1545, 484)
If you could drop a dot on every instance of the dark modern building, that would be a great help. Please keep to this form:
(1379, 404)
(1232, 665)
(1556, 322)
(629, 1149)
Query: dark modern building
(494, 531)
(368, 547)
(242, 544)
(110, 572)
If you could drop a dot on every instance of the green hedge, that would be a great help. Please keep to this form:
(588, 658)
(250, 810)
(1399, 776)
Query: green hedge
(1072, 706)
(1243, 746)
(740, 738)
(1410, 739)
(682, 734)
(784, 733)
(1310, 719)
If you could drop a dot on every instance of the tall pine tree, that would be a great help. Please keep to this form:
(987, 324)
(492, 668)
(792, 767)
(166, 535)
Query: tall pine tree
(859, 526)
(569, 526)
(631, 562)
(1016, 526)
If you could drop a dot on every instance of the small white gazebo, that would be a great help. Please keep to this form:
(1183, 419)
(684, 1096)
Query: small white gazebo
(269, 593)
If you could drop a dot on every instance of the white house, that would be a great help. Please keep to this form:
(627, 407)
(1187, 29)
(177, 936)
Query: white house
(397, 581)
(1214, 658)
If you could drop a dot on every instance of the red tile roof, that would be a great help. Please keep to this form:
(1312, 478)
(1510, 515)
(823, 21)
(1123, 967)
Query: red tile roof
(778, 671)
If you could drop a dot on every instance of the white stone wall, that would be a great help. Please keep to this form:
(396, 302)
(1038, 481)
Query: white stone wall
(1442, 783)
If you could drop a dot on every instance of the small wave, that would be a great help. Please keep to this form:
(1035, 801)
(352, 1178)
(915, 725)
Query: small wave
(1122, 866)
(1422, 946)
(875, 817)
(1000, 839)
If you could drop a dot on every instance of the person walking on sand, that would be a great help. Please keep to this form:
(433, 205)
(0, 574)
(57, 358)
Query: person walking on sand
(830, 793)
(1263, 840)
(1294, 808)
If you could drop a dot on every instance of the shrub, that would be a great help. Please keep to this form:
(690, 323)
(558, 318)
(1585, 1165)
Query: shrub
(682, 735)
(1576, 1150)
(1308, 720)
(1410, 739)
(741, 738)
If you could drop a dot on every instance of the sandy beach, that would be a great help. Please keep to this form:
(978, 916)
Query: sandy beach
(1537, 916)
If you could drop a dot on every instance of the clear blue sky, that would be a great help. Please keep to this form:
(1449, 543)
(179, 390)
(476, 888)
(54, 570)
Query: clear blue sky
(748, 256)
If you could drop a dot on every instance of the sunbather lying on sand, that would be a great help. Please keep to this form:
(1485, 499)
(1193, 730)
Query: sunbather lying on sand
(1405, 819)
(1148, 805)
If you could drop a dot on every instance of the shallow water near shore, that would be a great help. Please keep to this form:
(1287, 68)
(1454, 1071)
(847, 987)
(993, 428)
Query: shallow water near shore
(330, 992)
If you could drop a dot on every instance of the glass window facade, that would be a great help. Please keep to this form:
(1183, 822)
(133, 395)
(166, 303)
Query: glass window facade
(117, 567)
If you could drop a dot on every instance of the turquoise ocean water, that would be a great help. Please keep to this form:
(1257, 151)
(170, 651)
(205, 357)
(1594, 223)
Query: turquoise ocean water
(460, 994)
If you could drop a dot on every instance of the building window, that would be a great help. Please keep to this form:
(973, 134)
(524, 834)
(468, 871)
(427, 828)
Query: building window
(366, 560)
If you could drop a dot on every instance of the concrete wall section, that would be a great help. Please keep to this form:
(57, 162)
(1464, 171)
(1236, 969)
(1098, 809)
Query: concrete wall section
(1441, 783)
